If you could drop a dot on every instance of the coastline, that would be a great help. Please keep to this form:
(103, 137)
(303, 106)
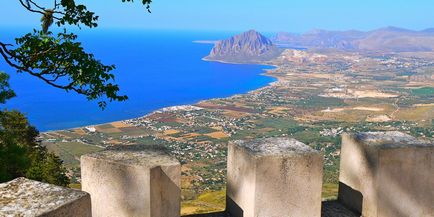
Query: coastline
(264, 73)
(240, 63)
(205, 41)
(296, 104)
(248, 92)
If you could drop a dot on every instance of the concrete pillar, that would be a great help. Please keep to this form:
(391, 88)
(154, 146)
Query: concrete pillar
(24, 197)
(387, 174)
(129, 181)
(274, 177)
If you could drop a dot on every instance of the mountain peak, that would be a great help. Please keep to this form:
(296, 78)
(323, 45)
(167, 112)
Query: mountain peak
(250, 46)
(252, 32)
(394, 29)
(429, 30)
(315, 31)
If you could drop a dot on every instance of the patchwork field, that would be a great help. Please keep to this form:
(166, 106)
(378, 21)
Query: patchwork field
(313, 102)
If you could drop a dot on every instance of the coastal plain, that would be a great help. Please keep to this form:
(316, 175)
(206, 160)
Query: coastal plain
(318, 96)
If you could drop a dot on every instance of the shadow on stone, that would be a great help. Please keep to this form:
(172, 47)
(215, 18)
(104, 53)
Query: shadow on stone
(350, 197)
(329, 209)
(216, 214)
(335, 209)
(163, 187)
(392, 170)
(235, 210)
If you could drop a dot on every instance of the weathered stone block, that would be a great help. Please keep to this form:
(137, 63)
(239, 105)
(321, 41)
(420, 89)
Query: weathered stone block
(24, 197)
(387, 174)
(274, 177)
(132, 181)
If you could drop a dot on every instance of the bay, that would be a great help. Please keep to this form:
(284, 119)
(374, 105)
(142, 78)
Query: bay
(155, 68)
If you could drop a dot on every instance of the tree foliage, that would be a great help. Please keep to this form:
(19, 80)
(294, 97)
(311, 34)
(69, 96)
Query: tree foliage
(60, 61)
(5, 90)
(20, 153)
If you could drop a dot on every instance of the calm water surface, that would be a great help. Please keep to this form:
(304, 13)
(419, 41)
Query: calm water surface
(155, 69)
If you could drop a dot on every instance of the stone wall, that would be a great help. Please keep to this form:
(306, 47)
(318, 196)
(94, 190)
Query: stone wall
(386, 174)
(274, 177)
(382, 174)
(129, 181)
(24, 197)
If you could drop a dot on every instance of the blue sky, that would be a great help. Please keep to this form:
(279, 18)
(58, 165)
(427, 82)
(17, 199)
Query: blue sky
(239, 15)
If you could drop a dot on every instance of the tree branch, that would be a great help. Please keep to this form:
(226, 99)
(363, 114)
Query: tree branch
(29, 8)
(4, 53)
(36, 5)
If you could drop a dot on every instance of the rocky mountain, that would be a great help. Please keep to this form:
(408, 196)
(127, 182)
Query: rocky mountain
(248, 47)
(391, 39)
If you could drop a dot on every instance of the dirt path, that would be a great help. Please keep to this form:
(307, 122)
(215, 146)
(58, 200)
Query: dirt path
(395, 104)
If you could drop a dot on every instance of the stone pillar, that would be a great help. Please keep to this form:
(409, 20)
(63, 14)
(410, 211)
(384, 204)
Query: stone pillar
(24, 197)
(387, 174)
(274, 177)
(129, 181)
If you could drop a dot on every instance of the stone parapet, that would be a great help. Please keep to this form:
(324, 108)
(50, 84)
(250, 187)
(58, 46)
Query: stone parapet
(274, 177)
(28, 198)
(129, 181)
(387, 174)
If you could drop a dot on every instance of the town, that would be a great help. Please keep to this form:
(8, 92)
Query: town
(316, 98)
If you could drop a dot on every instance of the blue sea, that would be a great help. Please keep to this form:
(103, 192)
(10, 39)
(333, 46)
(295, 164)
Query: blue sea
(156, 69)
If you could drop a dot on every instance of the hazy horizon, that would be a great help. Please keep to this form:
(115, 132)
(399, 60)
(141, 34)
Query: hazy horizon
(270, 16)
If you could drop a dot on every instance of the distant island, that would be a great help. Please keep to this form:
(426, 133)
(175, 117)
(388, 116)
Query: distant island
(248, 47)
